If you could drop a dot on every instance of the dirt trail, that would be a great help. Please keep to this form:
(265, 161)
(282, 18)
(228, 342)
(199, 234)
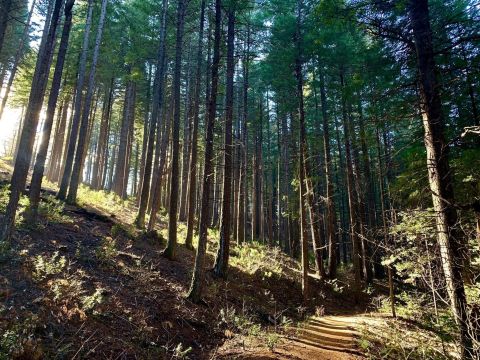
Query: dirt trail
(326, 337)
(319, 338)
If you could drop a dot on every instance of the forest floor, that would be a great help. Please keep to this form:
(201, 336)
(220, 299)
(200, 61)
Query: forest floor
(86, 284)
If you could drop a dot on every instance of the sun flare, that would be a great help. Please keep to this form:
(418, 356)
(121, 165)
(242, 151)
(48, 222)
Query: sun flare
(8, 127)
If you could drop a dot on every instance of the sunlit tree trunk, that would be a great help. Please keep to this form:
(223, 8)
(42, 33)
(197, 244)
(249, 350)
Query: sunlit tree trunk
(161, 170)
(146, 131)
(83, 130)
(242, 186)
(27, 137)
(157, 99)
(329, 196)
(192, 182)
(302, 144)
(198, 277)
(352, 206)
(100, 158)
(55, 163)
(186, 143)
(119, 178)
(77, 108)
(37, 176)
(221, 260)
(439, 175)
(174, 186)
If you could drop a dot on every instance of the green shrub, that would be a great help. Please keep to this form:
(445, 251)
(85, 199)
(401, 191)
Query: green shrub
(107, 249)
(90, 301)
(122, 230)
(44, 266)
(22, 203)
(272, 340)
(51, 210)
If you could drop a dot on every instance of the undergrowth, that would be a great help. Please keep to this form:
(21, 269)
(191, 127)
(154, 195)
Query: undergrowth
(254, 257)
(245, 324)
(101, 199)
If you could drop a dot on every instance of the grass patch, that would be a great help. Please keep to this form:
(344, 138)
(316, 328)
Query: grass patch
(397, 339)
(101, 199)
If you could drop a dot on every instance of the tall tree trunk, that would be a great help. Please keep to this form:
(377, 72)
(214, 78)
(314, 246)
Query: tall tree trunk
(242, 186)
(130, 139)
(27, 138)
(100, 160)
(173, 205)
(36, 182)
(146, 131)
(77, 109)
(119, 177)
(58, 141)
(391, 288)
(82, 134)
(302, 156)
(256, 178)
(192, 182)
(285, 155)
(157, 99)
(359, 184)
(438, 170)
(331, 213)
(182, 211)
(370, 214)
(221, 260)
(352, 205)
(198, 277)
(160, 172)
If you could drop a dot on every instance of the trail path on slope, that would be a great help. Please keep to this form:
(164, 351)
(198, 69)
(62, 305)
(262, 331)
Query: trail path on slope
(319, 338)
(327, 337)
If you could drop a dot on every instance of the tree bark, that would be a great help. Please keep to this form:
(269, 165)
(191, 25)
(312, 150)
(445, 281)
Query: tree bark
(221, 260)
(331, 213)
(352, 205)
(27, 138)
(55, 162)
(302, 158)
(160, 172)
(198, 277)
(37, 176)
(82, 135)
(157, 99)
(120, 169)
(100, 160)
(192, 183)
(146, 131)
(242, 187)
(173, 205)
(72, 140)
(182, 210)
(439, 171)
